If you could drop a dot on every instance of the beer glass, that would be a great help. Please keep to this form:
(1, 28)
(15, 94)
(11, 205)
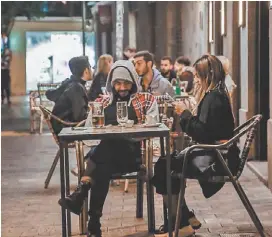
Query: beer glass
(97, 110)
(122, 113)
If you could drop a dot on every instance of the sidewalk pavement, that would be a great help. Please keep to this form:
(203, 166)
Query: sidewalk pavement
(30, 210)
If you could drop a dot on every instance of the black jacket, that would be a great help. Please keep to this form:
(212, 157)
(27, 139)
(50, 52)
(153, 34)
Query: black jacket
(72, 105)
(214, 120)
(172, 75)
(99, 81)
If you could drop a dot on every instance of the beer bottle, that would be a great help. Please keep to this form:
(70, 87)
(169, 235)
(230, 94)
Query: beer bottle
(177, 91)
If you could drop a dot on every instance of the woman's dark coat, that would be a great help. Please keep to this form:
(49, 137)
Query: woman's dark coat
(214, 122)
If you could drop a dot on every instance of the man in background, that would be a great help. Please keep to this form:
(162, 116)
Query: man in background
(5, 75)
(180, 63)
(151, 79)
(129, 53)
(167, 68)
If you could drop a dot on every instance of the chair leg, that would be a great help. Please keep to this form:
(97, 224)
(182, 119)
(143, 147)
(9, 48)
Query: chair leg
(140, 198)
(180, 203)
(41, 123)
(242, 196)
(249, 204)
(126, 185)
(52, 169)
(248, 207)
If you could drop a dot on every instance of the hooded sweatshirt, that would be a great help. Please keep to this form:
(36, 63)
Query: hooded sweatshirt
(159, 85)
(143, 103)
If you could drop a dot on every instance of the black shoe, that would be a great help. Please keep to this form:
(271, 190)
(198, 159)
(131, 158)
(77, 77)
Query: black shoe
(74, 201)
(89, 234)
(193, 221)
(94, 226)
(184, 231)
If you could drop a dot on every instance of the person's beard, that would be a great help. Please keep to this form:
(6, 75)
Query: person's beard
(144, 71)
(123, 93)
(165, 73)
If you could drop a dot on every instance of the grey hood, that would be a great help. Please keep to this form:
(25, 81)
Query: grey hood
(131, 69)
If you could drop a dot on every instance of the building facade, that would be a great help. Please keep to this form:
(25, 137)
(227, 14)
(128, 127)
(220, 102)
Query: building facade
(238, 30)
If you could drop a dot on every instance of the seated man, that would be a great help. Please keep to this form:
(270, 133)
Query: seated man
(112, 155)
(71, 101)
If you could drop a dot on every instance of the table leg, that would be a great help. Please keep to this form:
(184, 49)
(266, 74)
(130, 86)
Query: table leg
(169, 187)
(162, 146)
(149, 187)
(84, 214)
(85, 205)
(67, 180)
(62, 188)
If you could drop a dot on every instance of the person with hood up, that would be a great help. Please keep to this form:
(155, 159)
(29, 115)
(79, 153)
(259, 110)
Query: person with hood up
(112, 155)
(71, 100)
(151, 79)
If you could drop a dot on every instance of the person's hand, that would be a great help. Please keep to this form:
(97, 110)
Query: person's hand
(179, 107)
(103, 96)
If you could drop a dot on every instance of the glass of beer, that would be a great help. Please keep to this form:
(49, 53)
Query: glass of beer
(98, 118)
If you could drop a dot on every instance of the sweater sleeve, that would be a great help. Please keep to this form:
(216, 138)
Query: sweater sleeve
(193, 126)
(197, 127)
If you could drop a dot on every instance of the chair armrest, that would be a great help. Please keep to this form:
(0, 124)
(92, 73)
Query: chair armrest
(81, 123)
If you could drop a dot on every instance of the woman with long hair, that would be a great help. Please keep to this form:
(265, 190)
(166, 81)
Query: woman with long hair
(103, 67)
(212, 124)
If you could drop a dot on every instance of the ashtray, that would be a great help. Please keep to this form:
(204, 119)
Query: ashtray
(129, 124)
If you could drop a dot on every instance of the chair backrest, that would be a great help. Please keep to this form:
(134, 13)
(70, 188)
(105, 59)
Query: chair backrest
(48, 115)
(249, 128)
(33, 96)
(42, 88)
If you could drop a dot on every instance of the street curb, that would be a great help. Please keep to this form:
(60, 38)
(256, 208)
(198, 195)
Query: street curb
(254, 170)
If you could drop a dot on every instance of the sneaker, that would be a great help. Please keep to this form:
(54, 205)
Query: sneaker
(193, 221)
(185, 231)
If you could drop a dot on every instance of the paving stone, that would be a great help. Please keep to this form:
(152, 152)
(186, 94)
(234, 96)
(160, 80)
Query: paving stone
(30, 210)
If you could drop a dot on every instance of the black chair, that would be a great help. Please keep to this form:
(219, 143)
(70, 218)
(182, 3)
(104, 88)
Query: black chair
(249, 128)
(47, 114)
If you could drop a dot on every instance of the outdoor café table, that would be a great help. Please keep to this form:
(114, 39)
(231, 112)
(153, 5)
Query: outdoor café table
(68, 135)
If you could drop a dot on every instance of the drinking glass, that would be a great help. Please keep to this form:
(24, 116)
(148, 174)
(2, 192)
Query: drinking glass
(97, 113)
(122, 113)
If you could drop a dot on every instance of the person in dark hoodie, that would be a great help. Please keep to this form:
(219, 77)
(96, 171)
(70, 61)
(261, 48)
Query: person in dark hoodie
(151, 79)
(72, 104)
(112, 155)
(213, 124)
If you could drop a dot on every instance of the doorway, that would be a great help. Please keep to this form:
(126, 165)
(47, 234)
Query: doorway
(262, 77)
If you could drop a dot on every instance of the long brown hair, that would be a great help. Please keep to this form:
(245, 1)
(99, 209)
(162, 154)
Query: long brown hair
(102, 66)
(211, 73)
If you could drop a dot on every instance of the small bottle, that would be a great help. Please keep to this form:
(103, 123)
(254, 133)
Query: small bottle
(177, 91)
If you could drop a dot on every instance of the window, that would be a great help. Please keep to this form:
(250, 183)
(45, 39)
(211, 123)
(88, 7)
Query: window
(210, 22)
